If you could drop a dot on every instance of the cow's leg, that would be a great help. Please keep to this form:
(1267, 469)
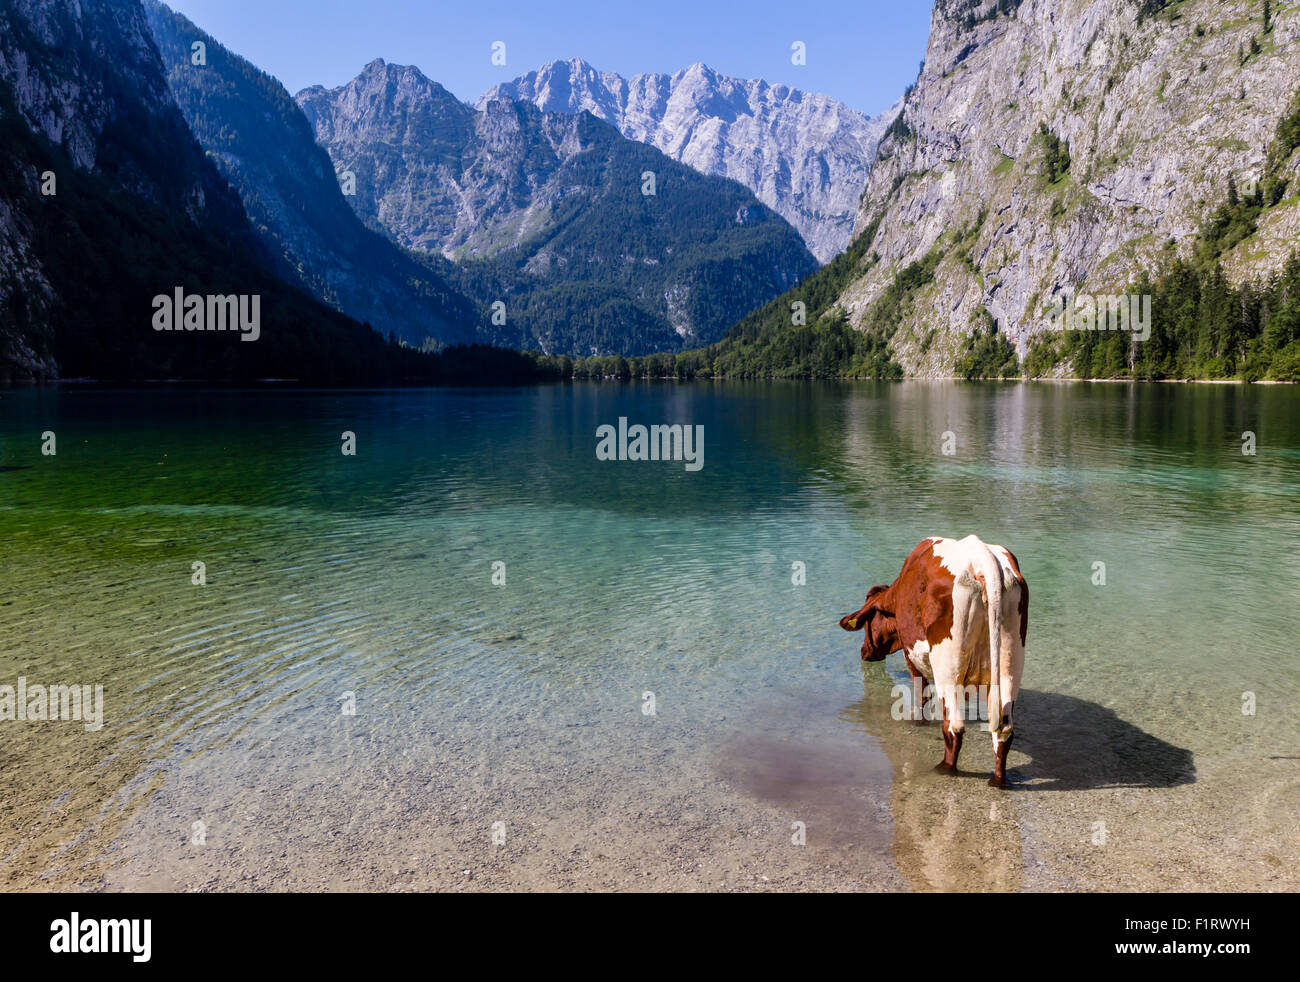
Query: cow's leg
(918, 693)
(952, 737)
(945, 666)
(1015, 612)
(1001, 745)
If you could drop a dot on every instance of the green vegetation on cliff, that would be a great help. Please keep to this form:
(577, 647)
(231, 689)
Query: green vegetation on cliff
(801, 334)
(1202, 325)
(1056, 155)
(988, 353)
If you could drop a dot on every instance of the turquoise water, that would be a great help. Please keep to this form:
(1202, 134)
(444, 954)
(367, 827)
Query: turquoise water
(373, 575)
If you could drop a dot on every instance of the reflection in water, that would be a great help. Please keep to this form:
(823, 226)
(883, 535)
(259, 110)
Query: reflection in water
(952, 832)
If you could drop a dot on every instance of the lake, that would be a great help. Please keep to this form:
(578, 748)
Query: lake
(472, 656)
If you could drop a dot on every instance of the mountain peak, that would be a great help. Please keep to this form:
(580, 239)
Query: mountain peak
(382, 68)
(550, 193)
(404, 82)
(805, 158)
(574, 66)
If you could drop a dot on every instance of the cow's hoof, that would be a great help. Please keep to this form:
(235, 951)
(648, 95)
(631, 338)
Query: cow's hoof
(943, 767)
(997, 782)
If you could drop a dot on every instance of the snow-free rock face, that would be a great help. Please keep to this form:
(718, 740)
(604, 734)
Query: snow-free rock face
(402, 135)
(84, 75)
(805, 156)
(555, 201)
(52, 55)
(261, 143)
(107, 201)
(1159, 106)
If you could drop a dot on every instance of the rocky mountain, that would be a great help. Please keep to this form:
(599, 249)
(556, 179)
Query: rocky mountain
(592, 243)
(805, 156)
(107, 201)
(1051, 147)
(261, 143)
(59, 88)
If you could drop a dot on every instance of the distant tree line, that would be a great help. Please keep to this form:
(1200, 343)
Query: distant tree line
(1202, 327)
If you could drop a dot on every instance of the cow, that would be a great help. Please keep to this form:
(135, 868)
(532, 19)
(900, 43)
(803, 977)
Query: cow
(953, 603)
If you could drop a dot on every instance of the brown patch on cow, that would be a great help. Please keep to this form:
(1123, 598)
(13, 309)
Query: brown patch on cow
(924, 589)
(877, 624)
(917, 606)
(936, 609)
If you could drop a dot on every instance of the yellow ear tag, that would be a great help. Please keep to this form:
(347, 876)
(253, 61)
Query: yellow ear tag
(853, 624)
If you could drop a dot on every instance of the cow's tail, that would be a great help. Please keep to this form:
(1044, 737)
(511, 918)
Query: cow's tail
(990, 571)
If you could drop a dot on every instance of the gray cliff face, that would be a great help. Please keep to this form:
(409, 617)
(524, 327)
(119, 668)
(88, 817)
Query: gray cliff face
(805, 156)
(70, 108)
(435, 173)
(555, 200)
(1157, 114)
(85, 75)
(261, 143)
(401, 134)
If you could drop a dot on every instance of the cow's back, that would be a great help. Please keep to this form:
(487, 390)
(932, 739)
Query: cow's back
(957, 637)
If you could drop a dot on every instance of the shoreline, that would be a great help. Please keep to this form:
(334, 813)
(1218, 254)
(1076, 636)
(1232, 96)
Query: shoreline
(13, 384)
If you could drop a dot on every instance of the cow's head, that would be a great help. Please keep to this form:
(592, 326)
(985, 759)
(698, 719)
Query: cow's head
(878, 625)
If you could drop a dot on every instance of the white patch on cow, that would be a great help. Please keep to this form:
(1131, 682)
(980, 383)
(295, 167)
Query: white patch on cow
(948, 552)
(981, 582)
(961, 558)
(919, 656)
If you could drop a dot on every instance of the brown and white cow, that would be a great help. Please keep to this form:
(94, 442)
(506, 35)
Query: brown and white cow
(953, 603)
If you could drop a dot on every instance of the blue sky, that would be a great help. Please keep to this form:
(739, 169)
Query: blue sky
(862, 52)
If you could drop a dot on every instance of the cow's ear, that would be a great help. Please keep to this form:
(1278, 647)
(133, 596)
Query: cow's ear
(855, 622)
(858, 620)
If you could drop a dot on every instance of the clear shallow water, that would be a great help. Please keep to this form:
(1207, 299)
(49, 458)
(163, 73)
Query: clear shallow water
(523, 703)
